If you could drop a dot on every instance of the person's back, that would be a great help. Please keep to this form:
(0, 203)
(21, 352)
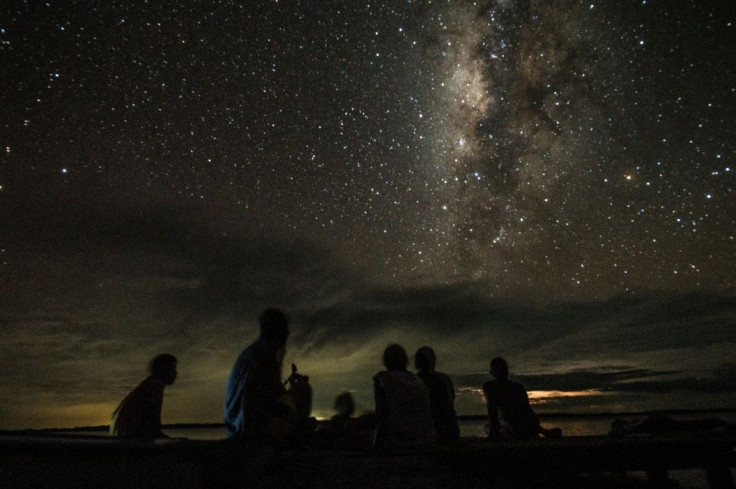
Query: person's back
(403, 411)
(441, 396)
(514, 413)
(139, 414)
(508, 406)
(253, 391)
(256, 406)
(509, 412)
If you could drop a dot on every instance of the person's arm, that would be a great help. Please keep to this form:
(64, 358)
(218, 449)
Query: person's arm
(147, 405)
(379, 397)
(492, 410)
(260, 398)
(451, 389)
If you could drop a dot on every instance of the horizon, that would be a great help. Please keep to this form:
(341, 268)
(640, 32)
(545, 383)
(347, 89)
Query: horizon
(460, 417)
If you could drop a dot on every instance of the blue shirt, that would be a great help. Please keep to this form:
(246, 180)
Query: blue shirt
(253, 390)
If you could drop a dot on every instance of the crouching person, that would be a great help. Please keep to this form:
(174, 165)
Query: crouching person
(139, 414)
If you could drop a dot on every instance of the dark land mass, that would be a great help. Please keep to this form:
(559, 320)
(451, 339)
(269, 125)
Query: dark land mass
(582, 462)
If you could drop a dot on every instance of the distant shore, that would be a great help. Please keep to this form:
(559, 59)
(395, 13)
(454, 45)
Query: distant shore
(464, 417)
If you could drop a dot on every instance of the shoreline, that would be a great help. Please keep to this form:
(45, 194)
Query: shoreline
(464, 417)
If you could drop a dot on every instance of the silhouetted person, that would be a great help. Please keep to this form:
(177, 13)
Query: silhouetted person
(257, 406)
(509, 412)
(441, 396)
(139, 414)
(345, 407)
(403, 412)
(343, 431)
(301, 393)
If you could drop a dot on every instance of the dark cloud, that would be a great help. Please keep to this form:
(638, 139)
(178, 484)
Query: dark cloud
(622, 380)
(722, 381)
(204, 264)
(640, 323)
(576, 380)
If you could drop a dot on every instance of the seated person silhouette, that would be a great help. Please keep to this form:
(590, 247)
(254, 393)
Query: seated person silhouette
(342, 430)
(441, 396)
(139, 414)
(345, 407)
(509, 412)
(403, 411)
(257, 405)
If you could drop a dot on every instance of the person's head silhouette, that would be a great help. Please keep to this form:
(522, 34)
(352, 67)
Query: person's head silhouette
(499, 368)
(425, 359)
(395, 358)
(274, 326)
(164, 368)
(344, 404)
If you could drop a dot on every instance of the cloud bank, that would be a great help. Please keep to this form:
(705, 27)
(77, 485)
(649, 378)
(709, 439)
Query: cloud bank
(91, 305)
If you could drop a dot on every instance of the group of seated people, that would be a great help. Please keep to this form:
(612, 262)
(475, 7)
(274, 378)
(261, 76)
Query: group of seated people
(411, 410)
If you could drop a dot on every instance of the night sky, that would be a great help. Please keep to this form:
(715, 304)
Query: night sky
(551, 181)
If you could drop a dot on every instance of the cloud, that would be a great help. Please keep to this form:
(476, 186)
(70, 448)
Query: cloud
(647, 323)
(106, 290)
(722, 381)
(621, 381)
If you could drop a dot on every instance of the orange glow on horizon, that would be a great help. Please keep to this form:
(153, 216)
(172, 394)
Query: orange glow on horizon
(540, 397)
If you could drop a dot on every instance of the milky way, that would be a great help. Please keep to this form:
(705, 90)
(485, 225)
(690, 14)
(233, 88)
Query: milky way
(201, 161)
(553, 144)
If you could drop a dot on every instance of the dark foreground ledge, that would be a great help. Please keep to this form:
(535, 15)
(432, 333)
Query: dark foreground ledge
(87, 462)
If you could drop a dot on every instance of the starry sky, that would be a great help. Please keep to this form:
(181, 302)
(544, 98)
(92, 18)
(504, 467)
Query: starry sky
(550, 181)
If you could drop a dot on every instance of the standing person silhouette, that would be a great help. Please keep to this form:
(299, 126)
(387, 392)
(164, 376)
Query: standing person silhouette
(441, 396)
(139, 414)
(509, 412)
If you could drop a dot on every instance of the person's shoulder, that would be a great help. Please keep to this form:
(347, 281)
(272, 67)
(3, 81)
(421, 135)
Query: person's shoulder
(150, 383)
(432, 378)
(416, 382)
(444, 376)
(148, 388)
(410, 377)
(426, 375)
(246, 351)
(254, 351)
(516, 385)
(258, 346)
(381, 375)
(399, 377)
